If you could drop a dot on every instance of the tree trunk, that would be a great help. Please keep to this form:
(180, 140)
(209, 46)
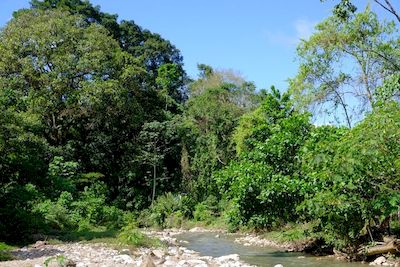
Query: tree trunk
(391, 247)
(154, 184)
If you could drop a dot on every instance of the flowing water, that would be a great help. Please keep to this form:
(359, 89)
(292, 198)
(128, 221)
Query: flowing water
(207, 244)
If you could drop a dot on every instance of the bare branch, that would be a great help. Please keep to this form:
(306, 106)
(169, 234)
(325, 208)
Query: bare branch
(388, 8)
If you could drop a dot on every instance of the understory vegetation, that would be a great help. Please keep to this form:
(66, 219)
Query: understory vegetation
(102, 132)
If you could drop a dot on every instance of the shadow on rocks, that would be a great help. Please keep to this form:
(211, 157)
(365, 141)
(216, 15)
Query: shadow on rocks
(24, 253)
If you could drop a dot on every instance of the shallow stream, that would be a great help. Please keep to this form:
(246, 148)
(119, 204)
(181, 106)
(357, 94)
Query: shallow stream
(207, 244)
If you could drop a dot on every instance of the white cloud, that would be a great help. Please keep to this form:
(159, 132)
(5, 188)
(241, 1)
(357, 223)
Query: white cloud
(301, 29)
(304, 28)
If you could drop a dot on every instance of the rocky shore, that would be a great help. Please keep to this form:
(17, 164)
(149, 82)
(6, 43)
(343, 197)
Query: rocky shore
(102, 255)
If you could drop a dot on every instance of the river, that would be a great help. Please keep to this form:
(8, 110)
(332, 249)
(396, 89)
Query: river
(207, 244)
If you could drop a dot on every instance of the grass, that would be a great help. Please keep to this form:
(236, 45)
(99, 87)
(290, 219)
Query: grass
(87, 235)
(291, 233)
(5, 252)
(133, 237)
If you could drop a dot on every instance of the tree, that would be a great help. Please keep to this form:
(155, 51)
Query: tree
(343, 63)
(82, 87)
(157, 143)
(263, 182)
(149, 49)
(170, 81)
(51, 63)
(23, 167)
(352, 178)
(216, 102)
(345, 8)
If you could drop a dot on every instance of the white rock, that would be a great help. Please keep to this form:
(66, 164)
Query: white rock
(81, 264)
(183, 263)
(205, 258)
(278, 265)
(231, 257)
(379, 261)
(158, 253)
(123, 259)
(196, 229)
(37, 265)
(197, 262)
(169, 263)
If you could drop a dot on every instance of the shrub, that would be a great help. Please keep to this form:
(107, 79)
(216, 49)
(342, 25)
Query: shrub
(166, 210)
(67, 213)
(132, 236)
(202, 213)
(5, 254)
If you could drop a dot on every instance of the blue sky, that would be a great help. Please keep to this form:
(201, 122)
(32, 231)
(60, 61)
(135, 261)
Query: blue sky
(254, 37)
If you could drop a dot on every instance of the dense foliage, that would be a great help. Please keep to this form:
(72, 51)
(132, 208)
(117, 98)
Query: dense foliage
(100, 128)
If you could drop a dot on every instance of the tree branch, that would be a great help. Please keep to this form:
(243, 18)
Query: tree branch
(388, 8)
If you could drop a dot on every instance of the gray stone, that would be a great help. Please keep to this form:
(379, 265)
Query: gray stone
(158, 253)
(123, 259)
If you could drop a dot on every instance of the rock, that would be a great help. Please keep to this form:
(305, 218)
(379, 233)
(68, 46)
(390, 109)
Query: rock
(158, 253)
(147, 262)
(182, 263)
(39, 244)
(169, 263)
(278, 265)
(37, 265)
(70, 263)
(196, 229)
(217, 236)
(125, 251)
(123, 259)
(227, 258)
(197, 263)
(81, 264)
(378, 261)
(301, 257)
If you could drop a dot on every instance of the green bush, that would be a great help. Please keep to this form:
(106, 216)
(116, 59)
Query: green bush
(208, 210)
(132, 236)
(58, 214)
(202, 213)
(90, 209)
(5, 254)
(166, 210)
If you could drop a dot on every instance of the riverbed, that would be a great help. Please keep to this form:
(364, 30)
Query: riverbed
(216, 245)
